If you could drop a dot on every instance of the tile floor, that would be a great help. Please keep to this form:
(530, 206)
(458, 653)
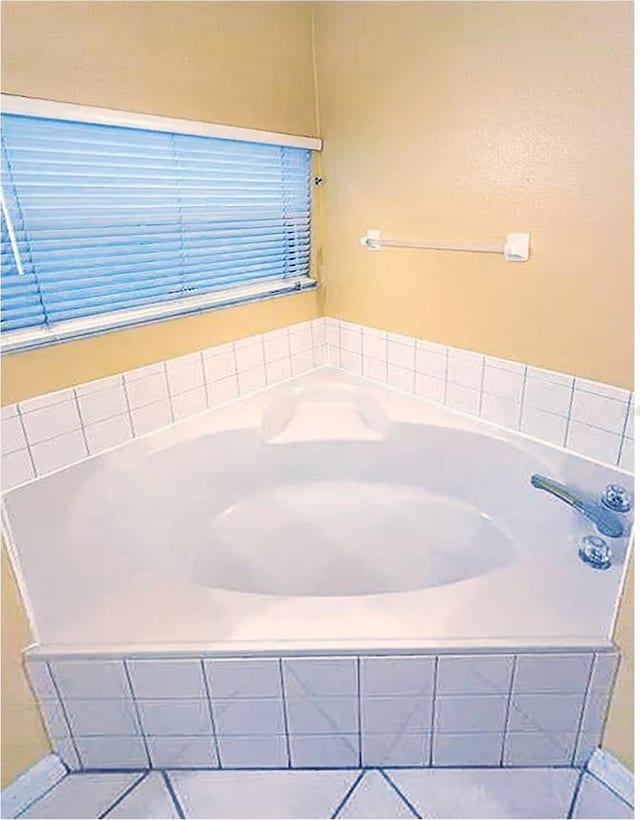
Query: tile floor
(347, 793)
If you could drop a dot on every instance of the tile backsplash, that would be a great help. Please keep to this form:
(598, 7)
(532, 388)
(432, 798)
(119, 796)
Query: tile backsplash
(589, 418)
(473, 709)
(48, 432)
(51, 431)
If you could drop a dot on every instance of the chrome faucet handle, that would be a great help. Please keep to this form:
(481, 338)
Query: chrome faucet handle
(606, 521)
(595, 551)
(616, 498)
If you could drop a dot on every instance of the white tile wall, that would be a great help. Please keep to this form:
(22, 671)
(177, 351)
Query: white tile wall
(545, 713)
(253, 752)
(470, 713)
(324, 751)
(102, 717)
(175, 717)
(397, 749)
(592, 419)
(479, 674)
(84, 679)
(407, 675)
(244, 716)
(48, 432)
(396, 714)
(553, 673)
(477, 749)
(167, 679)
(182, 752)
(320, 677)
(415, 710)
(111, 752)
(241, 678)
(538, 749)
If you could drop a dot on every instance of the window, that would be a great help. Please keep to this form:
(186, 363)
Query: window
(108, 225)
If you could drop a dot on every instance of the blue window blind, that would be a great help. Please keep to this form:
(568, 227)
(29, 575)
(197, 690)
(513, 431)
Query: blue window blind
(109, 219)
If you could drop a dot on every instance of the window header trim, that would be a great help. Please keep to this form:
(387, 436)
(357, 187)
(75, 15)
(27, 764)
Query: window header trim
(50, 109)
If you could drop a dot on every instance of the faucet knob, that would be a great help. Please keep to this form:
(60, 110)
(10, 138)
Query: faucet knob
(616, 498)
(595, 551)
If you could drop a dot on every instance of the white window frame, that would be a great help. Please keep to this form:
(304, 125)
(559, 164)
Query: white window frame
(92, 325)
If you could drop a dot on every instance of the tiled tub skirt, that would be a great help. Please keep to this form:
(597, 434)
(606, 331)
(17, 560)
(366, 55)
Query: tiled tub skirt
(517, 708)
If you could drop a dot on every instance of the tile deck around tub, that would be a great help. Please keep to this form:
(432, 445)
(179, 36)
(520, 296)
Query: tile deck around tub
(351, 793)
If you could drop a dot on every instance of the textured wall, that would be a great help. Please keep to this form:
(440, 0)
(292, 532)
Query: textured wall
(464, 121)
(24, 740)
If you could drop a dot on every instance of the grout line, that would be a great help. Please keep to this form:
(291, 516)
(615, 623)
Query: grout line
(569, 409)
(628, 415)
(26, 439)
(82, 430)
(400, 794)
(264, 360)
(169, 396)
(65, 715)
(211, 715)
(522, 396)
(236, 372)
(347, 795)
(137, 712)
(359, 696)
(172, 794)
(576, 791)
(284, 712)
(508, 709)
(433, 711)
(481, 388)
(446, 376)
(415, 366)
(386, 358)
(128, 405)
(129, 408)
(204, 381)
(587, 692)
(131, 787)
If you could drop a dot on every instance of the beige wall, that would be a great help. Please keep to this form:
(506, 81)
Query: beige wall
(465, 121)
(23, 737)
(245, 64)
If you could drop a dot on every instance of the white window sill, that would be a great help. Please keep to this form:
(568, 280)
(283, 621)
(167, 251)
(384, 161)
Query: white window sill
(20, 340)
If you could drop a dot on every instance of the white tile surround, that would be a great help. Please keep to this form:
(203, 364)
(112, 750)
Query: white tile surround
(488, 710)
(46, 433)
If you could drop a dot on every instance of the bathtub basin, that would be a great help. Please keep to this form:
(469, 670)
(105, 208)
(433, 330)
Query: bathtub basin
(325, 513)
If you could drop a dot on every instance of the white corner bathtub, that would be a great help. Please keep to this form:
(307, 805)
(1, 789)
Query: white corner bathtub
(326, 513)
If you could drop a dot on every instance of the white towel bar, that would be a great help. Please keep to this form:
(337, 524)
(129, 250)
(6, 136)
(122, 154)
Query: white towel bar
(514, 249)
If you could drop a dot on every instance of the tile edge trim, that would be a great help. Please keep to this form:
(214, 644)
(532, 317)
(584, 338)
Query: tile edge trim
(613, 773)
(32, 784)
